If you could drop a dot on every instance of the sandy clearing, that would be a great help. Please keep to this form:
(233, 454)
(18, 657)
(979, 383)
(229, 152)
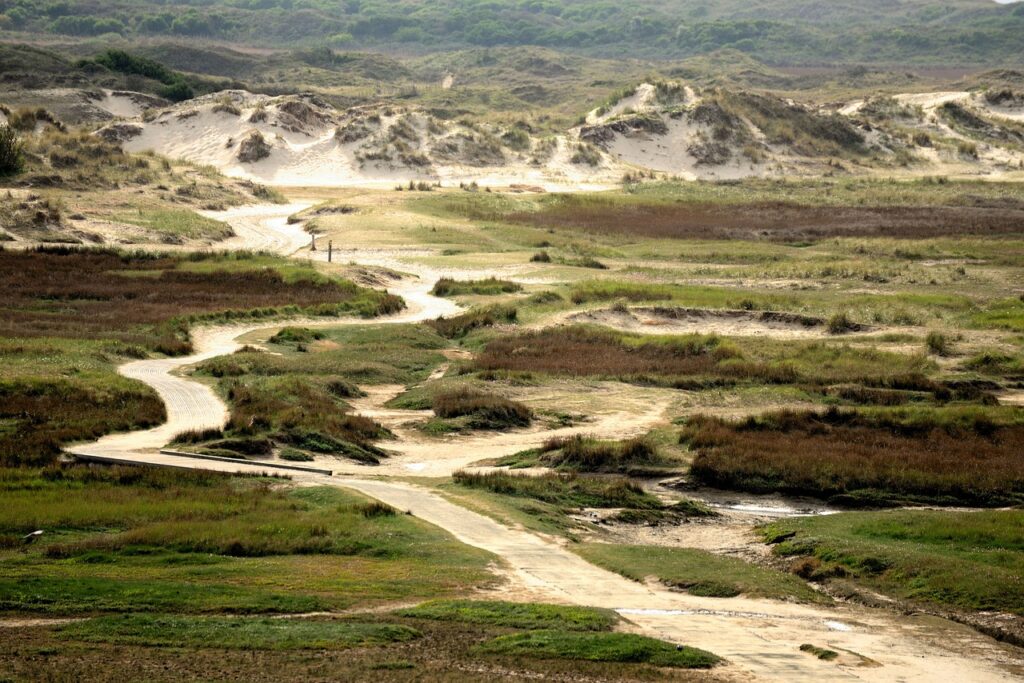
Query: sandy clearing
(415, 453)
(759, 638)
(120, 106)
(663, 320)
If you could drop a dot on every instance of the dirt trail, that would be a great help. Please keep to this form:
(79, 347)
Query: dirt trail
(760, 638)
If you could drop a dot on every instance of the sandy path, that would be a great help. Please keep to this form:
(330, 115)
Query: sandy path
(760, 638)
(261, 228)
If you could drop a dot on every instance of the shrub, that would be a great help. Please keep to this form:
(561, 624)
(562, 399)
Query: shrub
(485, 411)
(584, 454)
(937, 343)
(461, 325)
(541, 257)
(376, 509)
(840, 323)
(449, 287)
(12, 156)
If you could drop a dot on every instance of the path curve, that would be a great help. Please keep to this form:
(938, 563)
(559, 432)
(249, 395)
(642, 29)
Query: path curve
(760, 638)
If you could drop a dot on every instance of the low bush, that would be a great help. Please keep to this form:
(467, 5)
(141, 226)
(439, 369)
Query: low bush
(599, 647)
(937, 343)
(483, 411)
(449, 287)
(12, 156)
(459, 326)
(296, 335)
(582, 454)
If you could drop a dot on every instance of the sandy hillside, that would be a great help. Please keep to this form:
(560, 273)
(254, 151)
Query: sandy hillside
(667, 128)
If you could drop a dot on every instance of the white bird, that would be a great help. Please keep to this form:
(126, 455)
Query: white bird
(32, 537)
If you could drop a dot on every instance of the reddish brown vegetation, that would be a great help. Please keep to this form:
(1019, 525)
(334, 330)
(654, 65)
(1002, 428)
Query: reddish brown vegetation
(40, 416)
(582, 351)
(862, 459)
(775, 221)
(103, 294)
(485, 411)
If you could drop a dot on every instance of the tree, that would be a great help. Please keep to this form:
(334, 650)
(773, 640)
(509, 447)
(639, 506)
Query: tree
(12, 156)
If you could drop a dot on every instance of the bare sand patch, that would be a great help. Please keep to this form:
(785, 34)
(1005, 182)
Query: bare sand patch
(674, 320)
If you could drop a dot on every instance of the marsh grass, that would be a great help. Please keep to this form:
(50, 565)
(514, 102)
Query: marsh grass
(599, 647)
(515, 615)
(127, 539)
(883, 457)
(481, 410)
(698, 361)
(698, 572)
(776, 210)
(241, 633)
(461, 325)
(961, 559)
(566, 490)
(490, 286)
(582, 454)
(147, 299)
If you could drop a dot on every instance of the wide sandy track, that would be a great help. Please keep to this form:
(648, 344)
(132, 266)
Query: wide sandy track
(759, 638)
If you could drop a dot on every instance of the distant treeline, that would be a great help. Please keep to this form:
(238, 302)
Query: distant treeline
(774, 31)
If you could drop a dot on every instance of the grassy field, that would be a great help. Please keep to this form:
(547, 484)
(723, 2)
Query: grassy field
(776, 210)
(83, 294)
(233, 633)
(515, 615)
(966, 560)
(137, 540)
(71, 316)
(599, 647)
(437, 641)
(698, 572)
(694, 361)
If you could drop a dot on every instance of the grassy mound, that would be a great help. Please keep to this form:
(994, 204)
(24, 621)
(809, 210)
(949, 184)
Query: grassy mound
(244, 633)
(564, 489)
(968, 560)
(482, 411)
(599, 647)
(515, 615)
(459, 326)
(448, 287)
(698, 572)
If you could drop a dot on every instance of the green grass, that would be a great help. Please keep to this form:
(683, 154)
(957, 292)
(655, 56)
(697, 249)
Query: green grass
(489, 287)
(599, 647)
(138, 539)
(567, 491)
(515, 615)
(969, 560)
(891, 308)
(363, 354)
(243, 633)
(820, 652)
(586, 454)
(177, 223)
(698, 572)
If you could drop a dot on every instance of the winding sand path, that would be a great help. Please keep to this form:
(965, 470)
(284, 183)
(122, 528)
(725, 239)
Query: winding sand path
(759, 638)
